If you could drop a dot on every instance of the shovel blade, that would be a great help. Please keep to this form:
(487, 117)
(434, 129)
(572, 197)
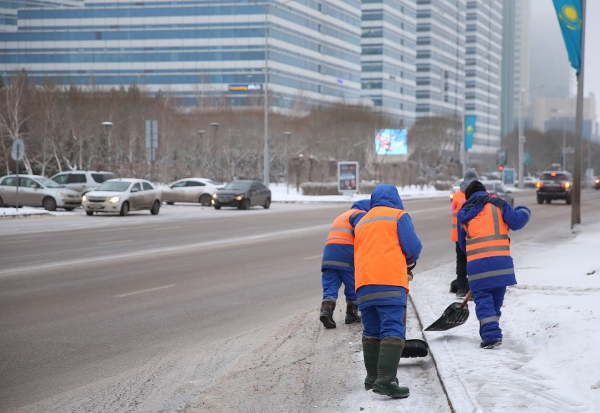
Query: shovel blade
(453, 316)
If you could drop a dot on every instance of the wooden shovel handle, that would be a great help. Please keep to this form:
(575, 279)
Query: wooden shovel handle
(467, 298)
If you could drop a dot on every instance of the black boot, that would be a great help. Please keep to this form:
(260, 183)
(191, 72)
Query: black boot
(371, 358)
(415, 348)
(390, 350)
(453, 286)
(352, 313)
(327, 308)
(461, 287)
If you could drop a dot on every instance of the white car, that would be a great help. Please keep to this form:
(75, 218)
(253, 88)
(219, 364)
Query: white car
(35, 191)
(123, 195)
(191, 190)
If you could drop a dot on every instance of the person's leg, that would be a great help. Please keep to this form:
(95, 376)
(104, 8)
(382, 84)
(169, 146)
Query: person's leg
(350, 293)
(392, 343)
(331, 281)
(371, 343)
(462, 286)
(489, 326)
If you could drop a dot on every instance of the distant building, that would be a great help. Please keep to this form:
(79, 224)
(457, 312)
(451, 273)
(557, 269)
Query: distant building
(204, 53)
(9, 10)
(559, 113)
(440, 58)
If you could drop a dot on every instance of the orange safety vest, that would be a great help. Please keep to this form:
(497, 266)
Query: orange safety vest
(341, 231)
(487, 234)
(458, 199)
(378, 258)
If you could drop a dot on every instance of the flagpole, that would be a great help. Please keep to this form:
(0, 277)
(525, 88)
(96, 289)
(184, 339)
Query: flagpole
(576, 193)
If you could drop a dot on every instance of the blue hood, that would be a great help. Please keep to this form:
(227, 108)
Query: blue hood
(363, 205)
(386, 195)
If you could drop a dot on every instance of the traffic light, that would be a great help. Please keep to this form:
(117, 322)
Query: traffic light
(500, 167)
(501, 158)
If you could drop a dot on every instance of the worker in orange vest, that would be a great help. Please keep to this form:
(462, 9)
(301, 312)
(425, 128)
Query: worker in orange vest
(337, 266)
(386, 249)
(484, 222)
(460, 285)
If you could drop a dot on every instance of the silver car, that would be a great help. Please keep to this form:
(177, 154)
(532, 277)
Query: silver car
(191, 190)
(36, 191)
(123, 195)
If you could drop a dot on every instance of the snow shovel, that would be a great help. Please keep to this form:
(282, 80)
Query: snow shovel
(455, 315)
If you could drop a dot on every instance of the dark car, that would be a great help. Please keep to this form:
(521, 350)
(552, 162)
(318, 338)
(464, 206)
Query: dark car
(554, 185)
(498, 189)
(242, 195)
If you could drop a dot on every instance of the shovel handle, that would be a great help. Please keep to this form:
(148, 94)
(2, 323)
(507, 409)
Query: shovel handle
(467, 298)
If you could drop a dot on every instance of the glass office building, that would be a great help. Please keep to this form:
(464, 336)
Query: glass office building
(9, 9)
(388, 57)
(205, 53)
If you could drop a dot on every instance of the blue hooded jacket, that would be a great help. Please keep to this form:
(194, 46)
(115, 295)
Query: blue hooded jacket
(344, 253)
(387, 195)
(515, 219)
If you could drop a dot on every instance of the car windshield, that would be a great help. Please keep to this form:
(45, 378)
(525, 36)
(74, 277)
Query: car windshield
(554, 176)
(115, 186)
(48, 183)
(238, 186)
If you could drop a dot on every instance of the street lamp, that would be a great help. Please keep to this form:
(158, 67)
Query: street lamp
(287, 161)
(201, 133)
(107, 127)
(215, 152)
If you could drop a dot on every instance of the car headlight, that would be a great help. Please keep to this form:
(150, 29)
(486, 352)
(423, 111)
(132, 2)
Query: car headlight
(114, 200)
(240, 197)
(84, 198)
(61, 194)
(215, 195)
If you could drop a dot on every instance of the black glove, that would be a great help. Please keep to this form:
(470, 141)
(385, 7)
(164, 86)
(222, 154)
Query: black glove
(411, 267)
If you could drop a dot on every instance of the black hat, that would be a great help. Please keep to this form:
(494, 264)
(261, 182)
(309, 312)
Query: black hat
(473, 187)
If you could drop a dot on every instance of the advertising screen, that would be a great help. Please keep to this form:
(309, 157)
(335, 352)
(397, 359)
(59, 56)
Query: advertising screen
(347, 176)
(391, 142)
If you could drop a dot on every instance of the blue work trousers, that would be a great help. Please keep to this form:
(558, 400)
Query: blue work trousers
(381, 321)
(488, 303)
(332, 280)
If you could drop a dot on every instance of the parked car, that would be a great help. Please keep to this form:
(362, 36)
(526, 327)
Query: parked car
(35, 191)
(122, 195)
(597, 182)
(191, 190)
(554, 185)
(82, 181)
(242, 195)
(498, 189)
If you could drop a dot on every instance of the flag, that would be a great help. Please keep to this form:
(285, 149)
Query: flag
(570, 21)
(469, 130)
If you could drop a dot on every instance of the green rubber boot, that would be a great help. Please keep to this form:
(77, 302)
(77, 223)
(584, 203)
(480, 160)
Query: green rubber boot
(390, 351)
(371, 357)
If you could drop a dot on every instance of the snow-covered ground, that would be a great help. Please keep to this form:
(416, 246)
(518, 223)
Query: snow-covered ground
(550, 358)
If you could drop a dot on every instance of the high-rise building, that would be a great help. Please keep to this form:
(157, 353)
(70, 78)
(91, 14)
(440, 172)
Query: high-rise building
(515, 62)
(440, 58)
(9, 10)
(388, 57)
(205, 53)
(482, 71)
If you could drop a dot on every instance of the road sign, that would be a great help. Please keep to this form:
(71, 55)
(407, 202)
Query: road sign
(151, 139)
(18, 149)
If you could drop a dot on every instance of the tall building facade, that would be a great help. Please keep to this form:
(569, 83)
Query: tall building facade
(482, 71)
(202, 52)
(440, 58)
(515, 62)
(388, 58)
(9, 10)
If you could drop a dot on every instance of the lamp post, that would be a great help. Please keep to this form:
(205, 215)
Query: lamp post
(107, 127)
(201, 133)
(215, 152)
(287, 161)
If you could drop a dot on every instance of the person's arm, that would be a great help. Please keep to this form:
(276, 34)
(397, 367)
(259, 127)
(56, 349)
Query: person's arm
(516, 218)
(462, 238)
(409, 242)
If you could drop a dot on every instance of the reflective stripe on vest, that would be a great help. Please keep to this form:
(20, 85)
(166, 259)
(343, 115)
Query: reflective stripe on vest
(458, 199)
(378, 257)
(341, 231)
(487, 236)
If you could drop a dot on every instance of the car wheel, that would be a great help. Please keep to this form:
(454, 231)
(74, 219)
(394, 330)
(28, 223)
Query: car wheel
(568, 200)
(170, 203)
(540, 200)
(267, 203)
(89, 213)
(548, 200)
(124, 209)
(49, 204)
(217, 206)
(155, 208)
(204, 200)
(245, 204)
(1, 202)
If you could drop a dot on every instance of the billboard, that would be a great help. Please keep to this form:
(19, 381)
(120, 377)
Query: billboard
(245, 87)
(391, 142)
(347, 176)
